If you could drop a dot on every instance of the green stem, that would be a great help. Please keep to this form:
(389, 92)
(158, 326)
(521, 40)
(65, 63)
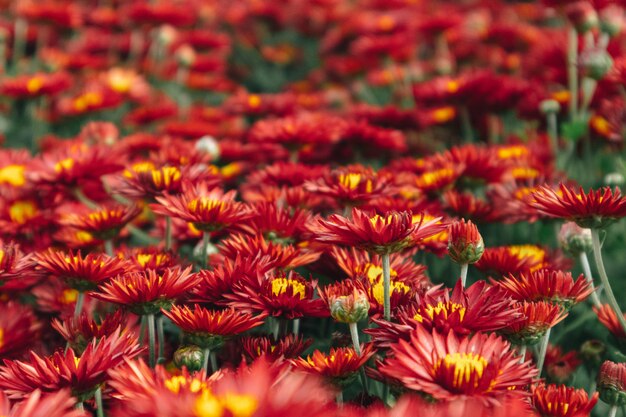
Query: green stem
(205, 360)
(386, 287)
(587, 270)
(151, 340)
(612, 411)
(553, 130)
(108, 247)
(296, 326)
(206, 238)
(572, 72)
(604, 279)
(79, 406)
(542, 350)
(81, 197)
(19, 40)
(464, 274)
(99, 407)
(80, 301)
(466, 125)
(168, 233)
(213, 358)
(522, 354)
(339, 398)
(160, 336)
(354, 334)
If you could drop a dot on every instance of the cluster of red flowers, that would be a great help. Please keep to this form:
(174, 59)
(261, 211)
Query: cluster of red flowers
(261, 208)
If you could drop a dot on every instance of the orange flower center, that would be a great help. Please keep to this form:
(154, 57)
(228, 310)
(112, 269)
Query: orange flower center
(165, 176)
(138, 168)
(22, 211)
(69, 296)
(280, 286)
(1, 256)
(83, 102)
(452, 86)
(64, 165)
(443, 114)
(512, 152)
(34, 85)
(254, 101)
(437, 176)
(13, 174)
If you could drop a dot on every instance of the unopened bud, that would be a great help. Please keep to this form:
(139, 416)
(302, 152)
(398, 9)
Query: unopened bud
(350, 308)
(612, 20)
(595, 63)
(592, 352)
(465, 244)
(612, 383)
(582, 15)
(549, 106)
(189, 356)
(208, 144)
(573, 239)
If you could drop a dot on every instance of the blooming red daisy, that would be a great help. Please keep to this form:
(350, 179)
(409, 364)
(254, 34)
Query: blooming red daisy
(288, 347)
(81, 273)
(147, 291)
(385, 234)
(338, 366)
(82, 330)
(608, 318)
(103, 223)
(596, 209)
(562, 401)
(57, 404)
(536, 319)
(447, 367)
(16, 269)
(149, 258)
(559, 366)
(209, 328)
(557, 287)
(81, 374)
(276, 224)
(208, 210)
(19, 328)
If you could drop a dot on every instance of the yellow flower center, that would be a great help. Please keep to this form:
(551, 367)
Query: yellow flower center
(444, 114)
(69, 296)
(386, 22)
(64, 165)
(83, 237)
(452, 86)
(431, 178)
(375, 272)
(175, 383)
(254, 101)
(139, 167)
(395, 286)
(22, 211)
(351, 180)
(524, 173)
(467, 368)
(386, 221)
(231, 170)
(120, 81)
(205, 204)
(512, 152)
(559, 408)
(240, 405)
(1, 337)
(1, 255)
(600, 125)
(441, 308)
(34, 85)
(13, 174)
(144, 258)
(280, 286)
(165, 176)
(207, 405)
(83, 102)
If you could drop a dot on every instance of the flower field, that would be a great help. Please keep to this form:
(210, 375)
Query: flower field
(312, 208)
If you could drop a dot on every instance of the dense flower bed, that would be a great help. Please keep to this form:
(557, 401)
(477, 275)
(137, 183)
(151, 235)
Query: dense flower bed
(315, 208)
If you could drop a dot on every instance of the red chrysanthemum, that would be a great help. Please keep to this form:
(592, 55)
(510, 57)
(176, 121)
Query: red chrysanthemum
(57, 404)
(65, 370)
(82, 330)
(557, 287)
(536, 318)
(609, 319)
(147, 291)
(149, 258)
(562, 401)
(596, 209)
(16, 269)
(385, 234)
(338, 365)
(208, 328)
(19, 329)
(208, 210)
(103, 223)
(81, 273)
(448, 367)
(288, 347)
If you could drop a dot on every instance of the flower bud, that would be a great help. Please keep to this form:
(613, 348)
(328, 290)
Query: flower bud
(189, 356)
(592, 352)
(612, 20)
(582, 15)
(186, 55)
(549, 106)
(573, 239)
(612, 383)
(465, 244)
(207, 144)
(614, 179)
(350, 308)
(595, 63)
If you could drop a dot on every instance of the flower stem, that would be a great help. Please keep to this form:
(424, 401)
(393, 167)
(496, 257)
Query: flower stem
(542, 350)
(80, 300)
(296, 326)
(168, 233)
(386, 287)
(206, 238)
(99, 408)
(587, 270)
(464, 274)
(151, 340)
(79, 405)
(339, 398)
(81, 197)
(612, 411)
(597, 254)
(205, 360)
(108, 247)
(572, 72)
(466, 125)
(522, 354)
(553, 131)
(213, 358)
(160, 336)
(354, 333)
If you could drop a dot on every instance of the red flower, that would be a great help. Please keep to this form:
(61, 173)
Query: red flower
(81, 273)
(562, 401)
(147, 291)
(465, 244)
(82, 374)
(149, 258)
(338, 365)
(560, 367)
(557, 287)
(35, 85)
(612, 382)
(537, 317)
(608, 318)
(104, 223)
(208, 210)
(19, 328)
(82, 330)
(392, 232)
(447, 367)
(16, 269)
(57, 404)
(288, 347)
(596, 209)
(277, 224)
(208, 328)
